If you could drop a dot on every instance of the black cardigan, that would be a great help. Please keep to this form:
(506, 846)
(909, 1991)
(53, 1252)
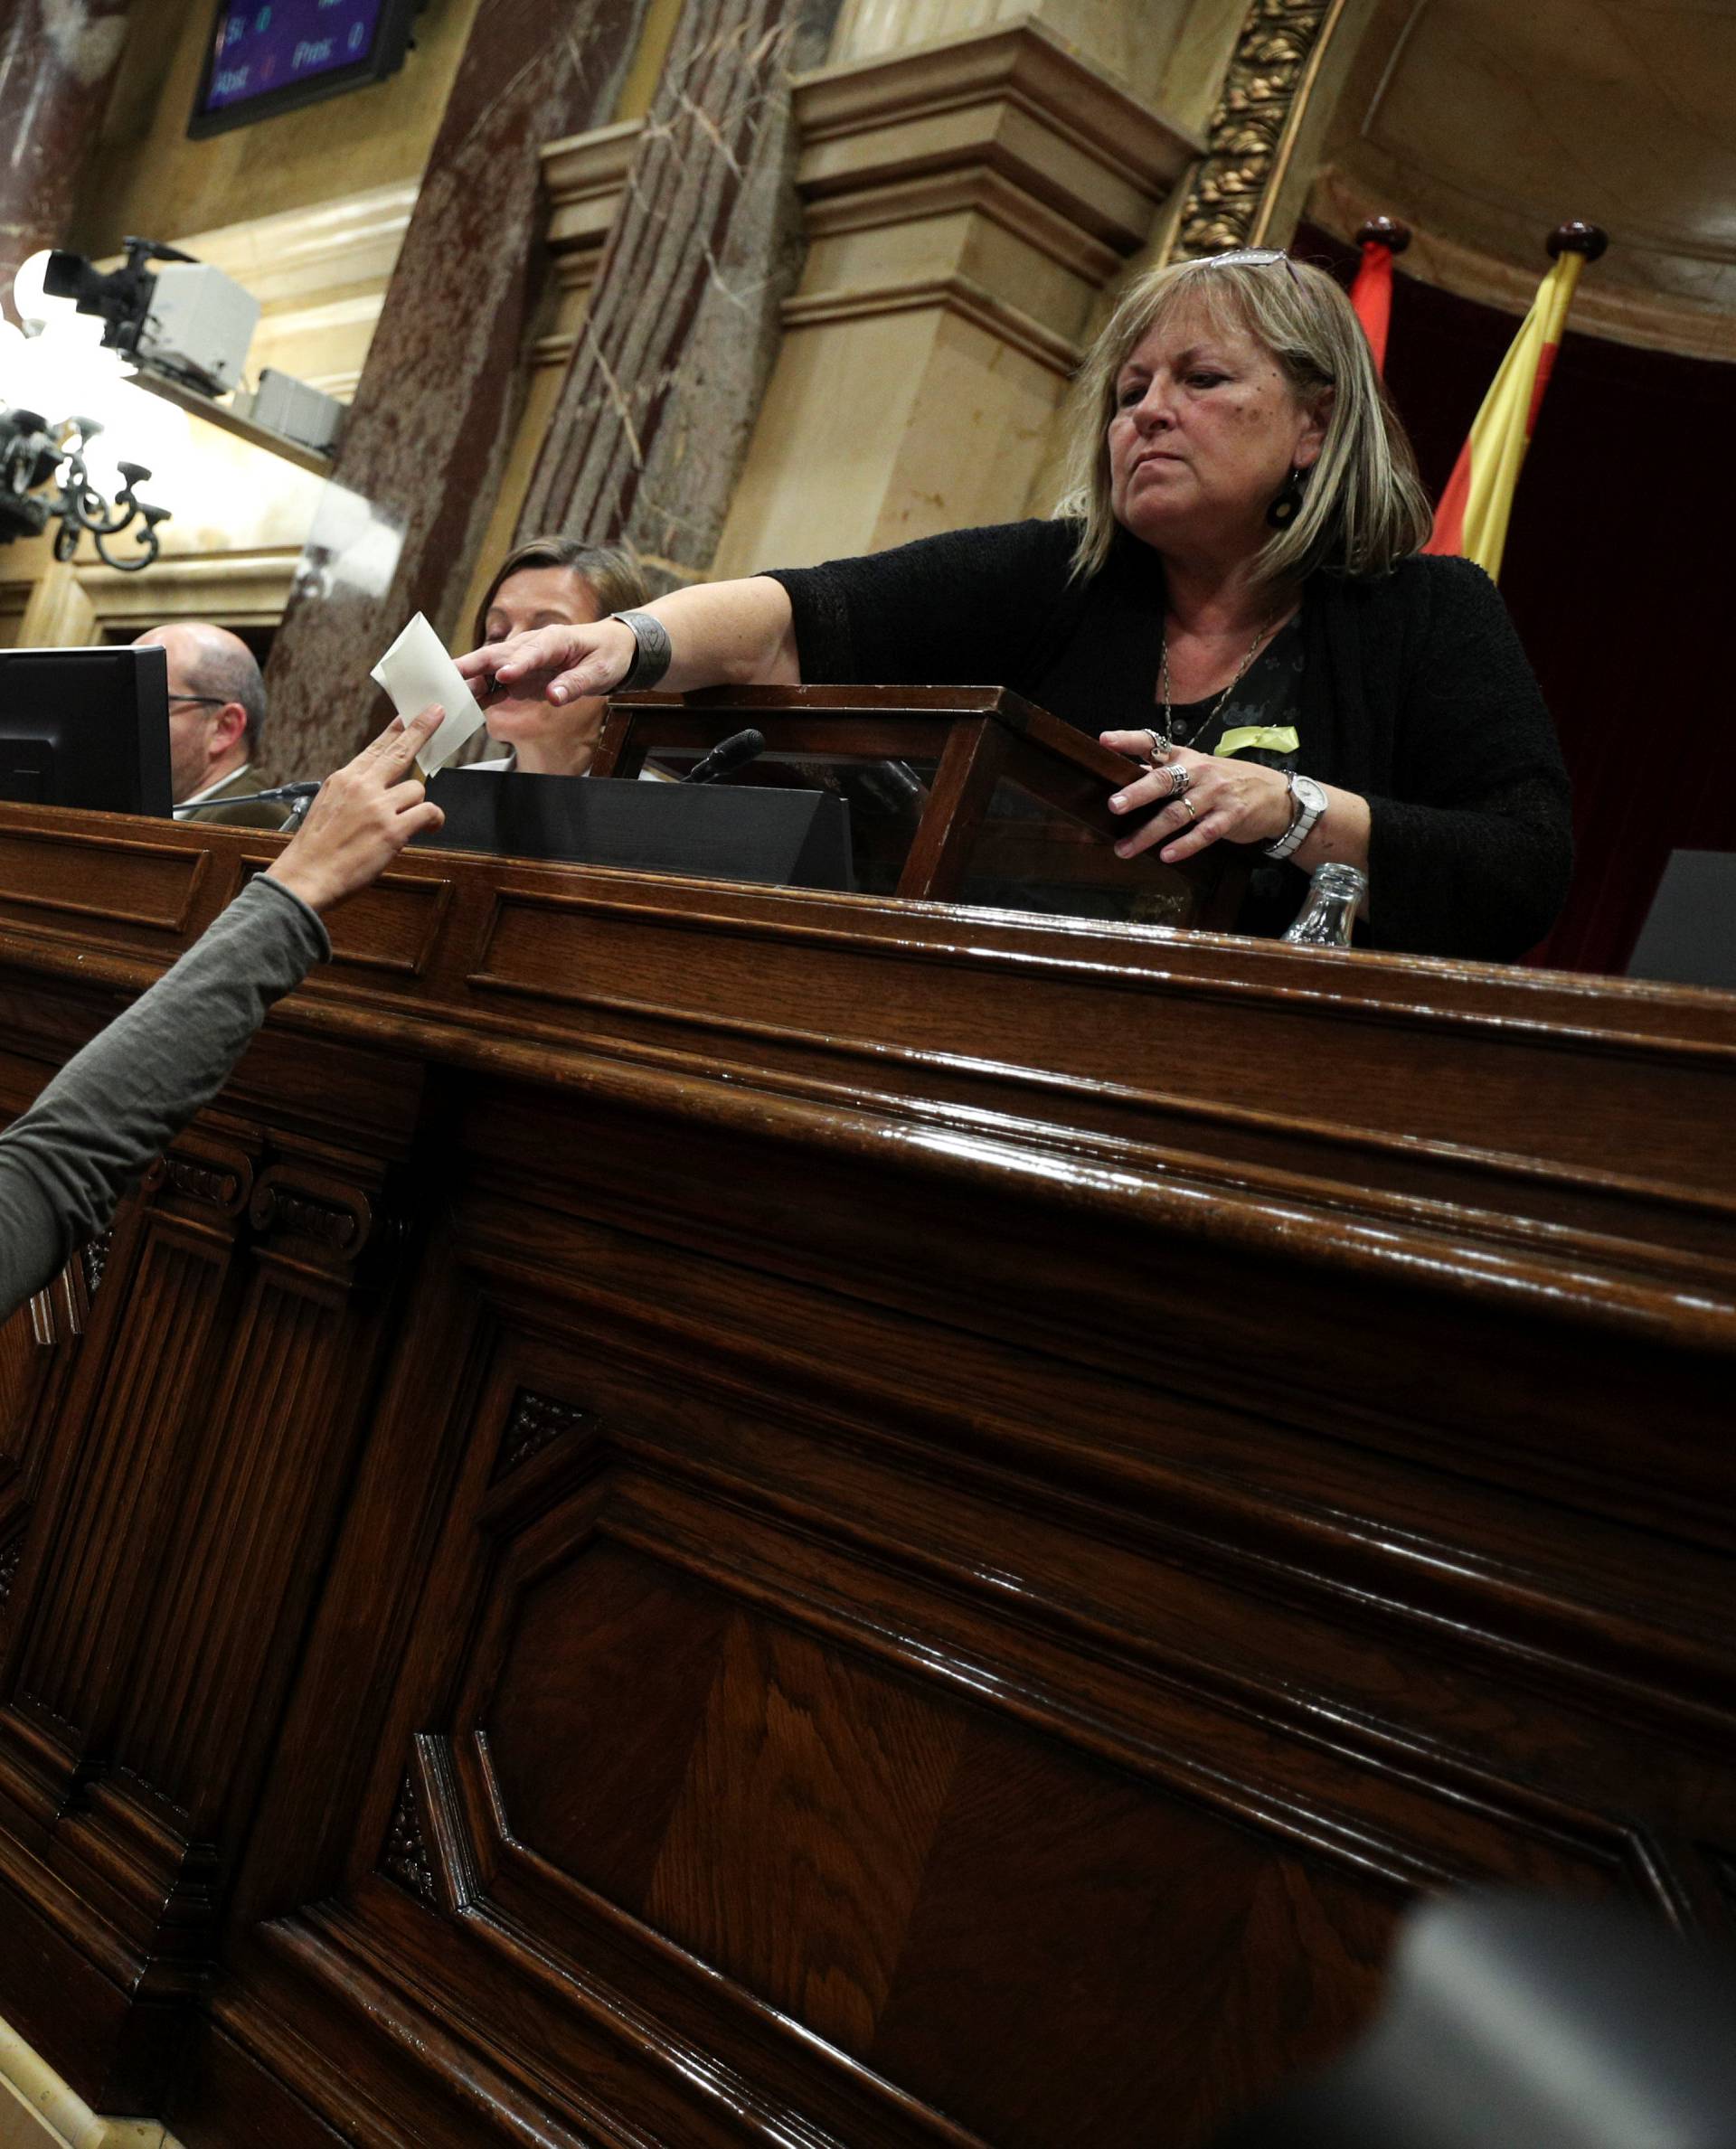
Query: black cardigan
(1415, 693)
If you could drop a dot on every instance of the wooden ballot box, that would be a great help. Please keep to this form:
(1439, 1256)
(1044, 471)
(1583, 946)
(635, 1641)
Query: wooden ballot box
(964, 793)
(700, 1514)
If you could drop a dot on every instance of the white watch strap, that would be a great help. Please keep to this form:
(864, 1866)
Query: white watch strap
(1302, 820)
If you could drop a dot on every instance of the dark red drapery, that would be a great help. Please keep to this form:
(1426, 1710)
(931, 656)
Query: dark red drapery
(1617, 573)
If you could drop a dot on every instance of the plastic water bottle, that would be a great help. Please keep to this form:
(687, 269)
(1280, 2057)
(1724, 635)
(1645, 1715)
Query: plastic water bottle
(1328, 917)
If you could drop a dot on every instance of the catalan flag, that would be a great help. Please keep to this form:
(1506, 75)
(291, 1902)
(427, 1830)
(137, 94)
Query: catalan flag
(1472, 517)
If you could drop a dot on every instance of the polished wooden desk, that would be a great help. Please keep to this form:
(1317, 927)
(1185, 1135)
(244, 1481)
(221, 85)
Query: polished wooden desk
(696, 1515)
(973, 743)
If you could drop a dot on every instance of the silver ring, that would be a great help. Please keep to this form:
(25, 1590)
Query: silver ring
(1181, 779)
(1161, 745)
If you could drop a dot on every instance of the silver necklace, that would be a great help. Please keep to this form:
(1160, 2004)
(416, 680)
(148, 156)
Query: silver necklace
(1266, 625)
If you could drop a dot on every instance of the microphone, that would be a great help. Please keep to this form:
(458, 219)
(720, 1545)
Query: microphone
(279, 794)
(729, 753)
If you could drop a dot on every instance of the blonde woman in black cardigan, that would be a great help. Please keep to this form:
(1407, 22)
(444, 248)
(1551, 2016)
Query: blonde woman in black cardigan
(1231, 594)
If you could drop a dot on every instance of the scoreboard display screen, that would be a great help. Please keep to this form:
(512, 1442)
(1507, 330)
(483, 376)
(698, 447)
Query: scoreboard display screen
(269, 56)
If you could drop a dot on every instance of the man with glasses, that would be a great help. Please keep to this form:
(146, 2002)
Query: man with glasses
(216, 713)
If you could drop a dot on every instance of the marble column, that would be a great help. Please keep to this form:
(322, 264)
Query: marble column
(969, 205)
(57, 62)
(431, 424)
(659, 405)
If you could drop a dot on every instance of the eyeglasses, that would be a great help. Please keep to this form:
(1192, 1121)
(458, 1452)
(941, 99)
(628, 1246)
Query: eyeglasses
(1250, 256)
(205, 701)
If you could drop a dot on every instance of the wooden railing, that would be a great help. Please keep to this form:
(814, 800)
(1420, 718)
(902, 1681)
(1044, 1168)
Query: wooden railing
(696, 1515)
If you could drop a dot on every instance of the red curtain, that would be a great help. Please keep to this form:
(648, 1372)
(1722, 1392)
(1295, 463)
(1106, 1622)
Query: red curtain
(1619, 574)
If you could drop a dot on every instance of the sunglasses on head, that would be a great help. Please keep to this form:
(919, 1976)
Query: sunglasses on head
(1250, 256)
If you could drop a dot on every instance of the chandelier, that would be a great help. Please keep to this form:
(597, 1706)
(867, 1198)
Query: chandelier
(44, 478)
(68, 408)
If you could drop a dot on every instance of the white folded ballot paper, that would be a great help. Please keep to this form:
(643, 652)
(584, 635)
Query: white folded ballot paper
(416, 671)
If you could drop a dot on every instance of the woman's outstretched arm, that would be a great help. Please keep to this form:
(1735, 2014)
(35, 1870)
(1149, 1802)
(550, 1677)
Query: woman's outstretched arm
(66, 1162)
(719, 634)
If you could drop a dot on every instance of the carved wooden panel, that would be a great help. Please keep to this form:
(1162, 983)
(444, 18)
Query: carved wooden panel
(393, 926)
(181, 1545)
(1017, 1933)
(796, 1749)
(26, 1354)
(39, 1347)
(405, 1856)
(128, 879)
(40, 1341)
(705, 1516)
(93, 1260)
(95, 1584)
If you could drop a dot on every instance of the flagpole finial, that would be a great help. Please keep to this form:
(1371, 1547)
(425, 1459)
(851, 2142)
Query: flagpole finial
(1387, 231)
(1575, 238)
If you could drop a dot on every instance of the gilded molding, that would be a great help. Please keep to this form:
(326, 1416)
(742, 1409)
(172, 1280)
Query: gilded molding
(1265, 92)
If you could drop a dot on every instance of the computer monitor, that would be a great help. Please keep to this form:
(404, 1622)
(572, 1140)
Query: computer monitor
(87, 728)
(1689, 936)
(263, 57)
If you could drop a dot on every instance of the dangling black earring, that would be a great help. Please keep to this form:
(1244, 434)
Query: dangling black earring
(1288, 505)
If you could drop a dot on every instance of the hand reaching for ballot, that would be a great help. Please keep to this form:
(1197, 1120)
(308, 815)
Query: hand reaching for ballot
(561, 664)
(363, 816)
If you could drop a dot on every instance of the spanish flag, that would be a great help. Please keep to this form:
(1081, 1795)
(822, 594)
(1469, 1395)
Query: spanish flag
(1472, 517)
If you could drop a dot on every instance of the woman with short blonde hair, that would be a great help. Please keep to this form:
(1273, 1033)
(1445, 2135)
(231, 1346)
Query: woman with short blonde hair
(1363, 508)
(1231, 594)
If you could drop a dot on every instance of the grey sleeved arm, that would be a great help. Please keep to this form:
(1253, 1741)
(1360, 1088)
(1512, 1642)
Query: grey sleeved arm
(66, 1162)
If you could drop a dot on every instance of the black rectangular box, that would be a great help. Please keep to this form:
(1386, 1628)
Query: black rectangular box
(716, 832)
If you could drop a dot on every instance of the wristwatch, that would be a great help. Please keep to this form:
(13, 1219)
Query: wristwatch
(1308, 803)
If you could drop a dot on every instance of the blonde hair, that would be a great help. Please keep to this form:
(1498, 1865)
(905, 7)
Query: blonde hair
(1363, 508)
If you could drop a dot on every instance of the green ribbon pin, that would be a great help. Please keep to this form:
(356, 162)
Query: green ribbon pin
(1263, 739)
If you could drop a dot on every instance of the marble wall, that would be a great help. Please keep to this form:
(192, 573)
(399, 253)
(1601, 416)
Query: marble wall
(651, 421)
(644, 338)
(58, 59)
(431, 429)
